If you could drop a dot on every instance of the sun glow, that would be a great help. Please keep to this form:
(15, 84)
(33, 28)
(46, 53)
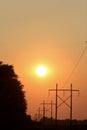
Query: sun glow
(41, 71)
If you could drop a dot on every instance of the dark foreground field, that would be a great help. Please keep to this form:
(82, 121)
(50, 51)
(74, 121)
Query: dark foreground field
(47, 125)
(80, 127)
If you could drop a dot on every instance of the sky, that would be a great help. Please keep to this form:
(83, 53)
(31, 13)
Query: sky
(50, 33)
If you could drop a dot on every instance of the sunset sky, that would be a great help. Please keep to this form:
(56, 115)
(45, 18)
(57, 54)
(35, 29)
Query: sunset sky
(51, 33)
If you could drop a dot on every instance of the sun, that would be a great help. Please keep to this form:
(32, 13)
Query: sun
(41, 70)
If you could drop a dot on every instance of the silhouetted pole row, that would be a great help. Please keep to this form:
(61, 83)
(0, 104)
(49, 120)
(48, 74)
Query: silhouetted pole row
(51, 108)
(63, 101)
(45, 110)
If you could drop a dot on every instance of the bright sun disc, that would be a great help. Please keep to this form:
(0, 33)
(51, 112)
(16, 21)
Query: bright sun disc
(41, 71)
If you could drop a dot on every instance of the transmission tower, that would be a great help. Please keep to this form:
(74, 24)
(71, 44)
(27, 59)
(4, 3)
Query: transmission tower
(63, 101)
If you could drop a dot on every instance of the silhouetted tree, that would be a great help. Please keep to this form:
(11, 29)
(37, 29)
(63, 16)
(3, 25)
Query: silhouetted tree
(12, 98)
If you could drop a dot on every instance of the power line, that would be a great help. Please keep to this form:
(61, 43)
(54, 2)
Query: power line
(77, 62)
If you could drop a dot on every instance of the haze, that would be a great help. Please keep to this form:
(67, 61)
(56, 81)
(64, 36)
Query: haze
(49, 32)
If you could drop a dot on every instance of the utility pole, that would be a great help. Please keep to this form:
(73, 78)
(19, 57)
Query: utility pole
(71, 96)
(39, 113)
(45, 110)
(71, 109)
(51, 109)
(63, 101)
(56, 104)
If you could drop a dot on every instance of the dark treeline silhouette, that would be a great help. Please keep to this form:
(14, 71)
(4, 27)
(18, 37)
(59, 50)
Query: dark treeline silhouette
(13, 107)
(12, 100)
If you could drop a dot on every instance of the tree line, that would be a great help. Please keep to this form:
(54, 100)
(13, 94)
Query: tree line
(13, 104)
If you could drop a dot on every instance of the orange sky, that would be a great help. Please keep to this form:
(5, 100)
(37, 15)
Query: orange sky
(48, 32)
